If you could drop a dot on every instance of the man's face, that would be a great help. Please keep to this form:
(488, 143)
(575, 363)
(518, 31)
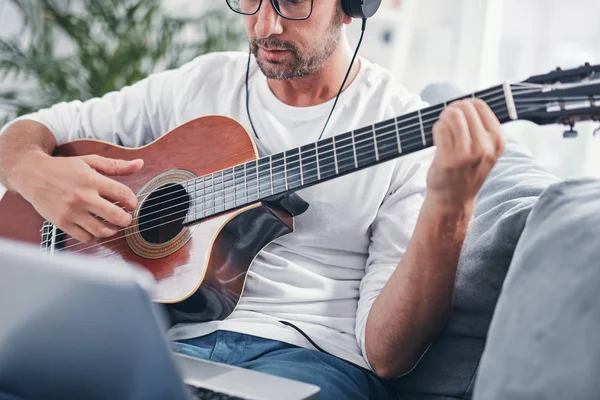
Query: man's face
(287, 49)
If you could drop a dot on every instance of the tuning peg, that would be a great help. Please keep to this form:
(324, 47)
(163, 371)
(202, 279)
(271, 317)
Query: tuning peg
(589, 71)
(571, 133)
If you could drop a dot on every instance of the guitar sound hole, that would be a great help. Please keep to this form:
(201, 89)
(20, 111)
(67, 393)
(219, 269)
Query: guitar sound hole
(162, 213)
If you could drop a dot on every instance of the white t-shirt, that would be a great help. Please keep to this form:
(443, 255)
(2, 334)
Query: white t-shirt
(325, 276)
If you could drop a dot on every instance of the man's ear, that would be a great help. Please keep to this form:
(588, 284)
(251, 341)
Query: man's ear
(347, 19)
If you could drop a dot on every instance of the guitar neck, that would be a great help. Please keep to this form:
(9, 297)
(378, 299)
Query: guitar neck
(329, 158)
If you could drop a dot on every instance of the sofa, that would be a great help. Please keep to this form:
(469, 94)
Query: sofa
(544, 338)
(449, 368)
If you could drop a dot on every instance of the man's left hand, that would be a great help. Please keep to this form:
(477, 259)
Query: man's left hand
(469, 141)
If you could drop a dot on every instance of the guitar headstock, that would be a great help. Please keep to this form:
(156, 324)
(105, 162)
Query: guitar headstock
(560, 97)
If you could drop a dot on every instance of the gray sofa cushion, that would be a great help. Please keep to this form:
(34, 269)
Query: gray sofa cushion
(447, 370)
(544, 340)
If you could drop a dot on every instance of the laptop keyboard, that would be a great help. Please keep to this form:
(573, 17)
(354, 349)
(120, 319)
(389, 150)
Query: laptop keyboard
(206, 394)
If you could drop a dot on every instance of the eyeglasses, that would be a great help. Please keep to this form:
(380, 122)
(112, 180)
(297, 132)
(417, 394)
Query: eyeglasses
(288, 9)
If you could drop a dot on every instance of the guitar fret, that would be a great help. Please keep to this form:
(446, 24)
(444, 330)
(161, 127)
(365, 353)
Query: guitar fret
(206, 197)
(234, 189)
(197, 200)
(344, 153)
(386, 141)
(335, 161)
(192, 196)
(222, 191)
(398, 136)
(317, 158)
(301, 170)
(279, 178)
(264, 181)
(422, 129)
(354, 150)
(309, 165)
(326, 158)
(229, 186)
(271, 171)
(375, 143)
(510, 101)
(202, 207)
(251, 182)
(285, 176)
(257, 180)
(239, 177)
(294, 171)
(194, 199)
(245, 184)
(218, 191)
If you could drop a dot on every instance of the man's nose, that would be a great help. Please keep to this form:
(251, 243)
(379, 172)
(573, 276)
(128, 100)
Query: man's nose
(268, 22)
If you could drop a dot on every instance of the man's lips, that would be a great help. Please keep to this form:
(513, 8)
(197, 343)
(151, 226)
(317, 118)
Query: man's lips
(272, 49)
(273, 53)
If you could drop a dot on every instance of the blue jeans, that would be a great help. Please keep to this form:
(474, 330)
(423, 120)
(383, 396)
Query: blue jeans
(336, 378)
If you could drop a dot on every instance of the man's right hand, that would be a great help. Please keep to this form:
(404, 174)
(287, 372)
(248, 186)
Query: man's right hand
(75, 193)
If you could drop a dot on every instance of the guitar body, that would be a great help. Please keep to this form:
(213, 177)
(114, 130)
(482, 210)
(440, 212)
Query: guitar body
(199, 268)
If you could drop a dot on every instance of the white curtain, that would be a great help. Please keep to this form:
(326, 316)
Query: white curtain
(475, 44)
(537, 36)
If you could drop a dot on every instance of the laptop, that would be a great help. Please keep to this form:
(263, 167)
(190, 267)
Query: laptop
(77, 327)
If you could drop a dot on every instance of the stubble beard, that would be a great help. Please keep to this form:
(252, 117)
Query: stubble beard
(301, 64)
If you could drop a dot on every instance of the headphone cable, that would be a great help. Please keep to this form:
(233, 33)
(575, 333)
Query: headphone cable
(364, 24)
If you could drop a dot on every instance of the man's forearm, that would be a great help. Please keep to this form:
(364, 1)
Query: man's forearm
(416, 302)
(17, 143)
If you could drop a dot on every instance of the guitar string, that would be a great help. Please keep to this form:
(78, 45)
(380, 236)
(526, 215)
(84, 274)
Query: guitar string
(416, 117)
(525, 91)
(108, 249)
(223, 199)
(212, 176)
(215, 176)
(155, 226)
(220, 202)
(431, 111)
(323, 158)
(199, 183)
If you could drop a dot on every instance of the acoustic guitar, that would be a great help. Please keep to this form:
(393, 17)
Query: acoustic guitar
(208, 204)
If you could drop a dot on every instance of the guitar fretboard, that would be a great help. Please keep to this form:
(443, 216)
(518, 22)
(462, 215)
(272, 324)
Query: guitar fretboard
(326, 159)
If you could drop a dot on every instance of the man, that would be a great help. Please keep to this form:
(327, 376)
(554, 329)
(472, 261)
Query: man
(369, 273)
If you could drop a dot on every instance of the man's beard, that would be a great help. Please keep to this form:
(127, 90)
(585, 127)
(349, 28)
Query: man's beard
(302, 64)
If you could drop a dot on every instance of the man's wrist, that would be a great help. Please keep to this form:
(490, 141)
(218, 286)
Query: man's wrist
(449, 209)
(448, 218)
(22, 169)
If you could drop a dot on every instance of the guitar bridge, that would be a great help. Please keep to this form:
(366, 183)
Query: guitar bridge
(52, 238)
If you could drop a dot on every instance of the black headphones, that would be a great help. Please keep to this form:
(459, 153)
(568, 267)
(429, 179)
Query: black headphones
(360, 8)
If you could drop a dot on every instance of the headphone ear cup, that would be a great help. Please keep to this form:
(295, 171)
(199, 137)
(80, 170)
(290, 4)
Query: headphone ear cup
(360, 8)
(346, 8)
